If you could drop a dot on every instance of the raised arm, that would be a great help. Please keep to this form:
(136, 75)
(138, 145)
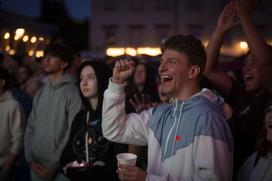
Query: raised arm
(116, 124)
(260, 51)
(226, 21)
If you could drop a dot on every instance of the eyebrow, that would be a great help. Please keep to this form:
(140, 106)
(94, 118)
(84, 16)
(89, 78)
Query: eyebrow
(89, 74)
(168, 58)
(92, 74)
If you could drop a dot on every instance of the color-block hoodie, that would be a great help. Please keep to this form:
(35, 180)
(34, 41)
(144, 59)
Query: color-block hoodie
(187, 140)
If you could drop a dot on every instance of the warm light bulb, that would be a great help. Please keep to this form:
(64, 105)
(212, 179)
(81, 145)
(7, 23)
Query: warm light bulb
(11, 52)
(7, 35)
(19, 33)
(25, 38)
(114, 52)
(33, 39)
(149, 51)
(131, 51)
(30, 53)
(7, 48)
(243, 45)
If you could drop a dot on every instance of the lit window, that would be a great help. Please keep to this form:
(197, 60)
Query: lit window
(110, 35)
(136, 34)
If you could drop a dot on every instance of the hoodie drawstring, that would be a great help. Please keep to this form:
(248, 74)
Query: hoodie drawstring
(86, 138)
(177, 128)
(175, 135)
(169, 134)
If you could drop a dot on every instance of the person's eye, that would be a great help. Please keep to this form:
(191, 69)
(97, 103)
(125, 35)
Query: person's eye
(91, 77)
(161, 61)
(172, 61)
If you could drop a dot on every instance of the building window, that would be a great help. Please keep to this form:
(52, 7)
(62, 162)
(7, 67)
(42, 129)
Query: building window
(194, 5)
(110, 5)
(136, 34)
(110, 35)
(136, 5)
(162, 5)
(162, 32)
(195, 29)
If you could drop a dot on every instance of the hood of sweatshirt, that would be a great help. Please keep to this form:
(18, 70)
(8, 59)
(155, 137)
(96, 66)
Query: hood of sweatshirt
(6, 96)
(66, 78)
(204, 96)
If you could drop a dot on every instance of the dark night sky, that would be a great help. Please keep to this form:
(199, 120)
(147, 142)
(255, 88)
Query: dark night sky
(78, 9)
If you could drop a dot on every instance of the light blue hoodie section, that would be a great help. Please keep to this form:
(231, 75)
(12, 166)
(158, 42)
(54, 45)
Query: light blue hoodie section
(176, 125)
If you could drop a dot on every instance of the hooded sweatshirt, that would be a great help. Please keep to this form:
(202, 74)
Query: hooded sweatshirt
(54, 108)
(187, 140)
(256, 168)
(11, 132)
(97, 151)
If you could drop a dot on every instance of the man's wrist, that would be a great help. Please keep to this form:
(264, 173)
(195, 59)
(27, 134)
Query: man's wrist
(117, 81)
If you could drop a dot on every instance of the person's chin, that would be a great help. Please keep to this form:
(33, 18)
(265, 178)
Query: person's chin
(168, 92)
(166, 86)
(269, 138)
(87, 96)
(253, 90)
(46, 70)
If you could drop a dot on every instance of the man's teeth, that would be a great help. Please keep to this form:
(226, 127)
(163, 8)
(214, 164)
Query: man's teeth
(248, 77)
(165, 78)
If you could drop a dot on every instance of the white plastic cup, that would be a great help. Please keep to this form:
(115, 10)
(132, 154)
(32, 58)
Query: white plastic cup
(126, 159)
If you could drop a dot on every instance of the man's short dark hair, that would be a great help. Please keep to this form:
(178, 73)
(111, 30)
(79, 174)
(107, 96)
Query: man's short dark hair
(190, 46)
(61, 51)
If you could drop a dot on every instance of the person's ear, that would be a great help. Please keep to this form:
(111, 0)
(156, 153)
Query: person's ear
(194, 72)
(64, 65)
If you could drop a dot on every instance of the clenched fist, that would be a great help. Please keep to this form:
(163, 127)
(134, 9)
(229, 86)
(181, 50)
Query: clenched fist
(122, 70)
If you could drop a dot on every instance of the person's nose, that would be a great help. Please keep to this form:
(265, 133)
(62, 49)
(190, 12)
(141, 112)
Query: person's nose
(162, 67)
(84, 82)
(247, 67)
